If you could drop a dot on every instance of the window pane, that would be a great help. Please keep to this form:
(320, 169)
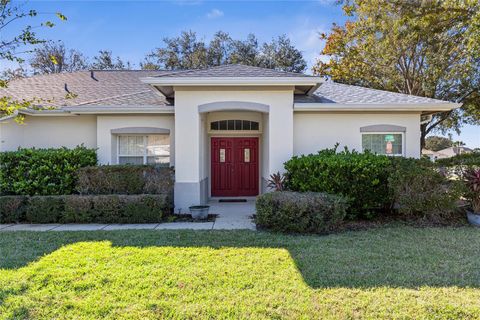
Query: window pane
(383, 143)
(223, 125)
(246, 125)
(158, 145)
(214, 125)
(231, 125)
(131, 145)
(164, 161)
(130, 160)
(238, 124)
(254, 125)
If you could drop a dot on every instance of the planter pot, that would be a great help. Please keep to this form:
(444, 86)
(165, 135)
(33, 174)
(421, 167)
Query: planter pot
(199, 212)
(473, 218)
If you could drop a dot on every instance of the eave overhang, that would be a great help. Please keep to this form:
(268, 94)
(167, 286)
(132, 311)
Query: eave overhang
(166, 85)
(424, 108)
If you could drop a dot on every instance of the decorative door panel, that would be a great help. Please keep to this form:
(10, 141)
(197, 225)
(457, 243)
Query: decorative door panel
(234, 163)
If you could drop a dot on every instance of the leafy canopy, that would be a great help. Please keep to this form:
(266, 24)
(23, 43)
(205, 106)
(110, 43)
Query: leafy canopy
(188, 52)
(428, 48)
(12, 48)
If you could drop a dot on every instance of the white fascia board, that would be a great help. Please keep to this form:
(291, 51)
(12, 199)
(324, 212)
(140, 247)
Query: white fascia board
(108, 109)
(232, 81)
(420, 107)
(100, 109)
(42, 113)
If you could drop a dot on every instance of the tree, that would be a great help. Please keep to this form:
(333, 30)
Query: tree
(12, 48)
(280, 54)
(52, 57)
(13, 74)
(401, 46)
(105, 61)
(436, 143)
(187, 52)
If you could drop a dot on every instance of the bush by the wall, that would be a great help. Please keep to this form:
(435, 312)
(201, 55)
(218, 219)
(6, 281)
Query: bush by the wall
(12, 209)
(148, 208)
(44, 209)
(361, 177)
(297, 212)
(42, 171)
(467, 159)
(125, 179)
(423, 192)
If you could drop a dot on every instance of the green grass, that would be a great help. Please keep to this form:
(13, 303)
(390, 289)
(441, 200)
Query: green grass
(396, 272)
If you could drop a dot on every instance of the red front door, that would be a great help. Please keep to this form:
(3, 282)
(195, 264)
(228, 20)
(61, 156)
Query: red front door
(234, 167)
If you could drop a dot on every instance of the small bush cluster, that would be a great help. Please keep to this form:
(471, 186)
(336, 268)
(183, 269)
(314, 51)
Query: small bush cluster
(145, 208)
(375, 184)
(361, 177)
(464, 159)
(297, 212)
(421, 192)
(42, 171)
(125, 179)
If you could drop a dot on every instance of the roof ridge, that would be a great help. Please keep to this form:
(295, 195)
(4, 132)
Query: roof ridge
(113, 97)
(182, 72)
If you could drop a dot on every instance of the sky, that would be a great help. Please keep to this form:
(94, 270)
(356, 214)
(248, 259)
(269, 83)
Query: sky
(132, 29)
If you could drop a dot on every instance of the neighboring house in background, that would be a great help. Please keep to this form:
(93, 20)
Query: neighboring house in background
(225, 129)
(446, 153)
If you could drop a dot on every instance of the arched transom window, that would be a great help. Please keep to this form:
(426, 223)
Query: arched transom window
(230, 125)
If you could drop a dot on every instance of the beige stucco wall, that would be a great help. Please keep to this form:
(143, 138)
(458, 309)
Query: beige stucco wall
(316, 131)
(49, 132)
(106, 142)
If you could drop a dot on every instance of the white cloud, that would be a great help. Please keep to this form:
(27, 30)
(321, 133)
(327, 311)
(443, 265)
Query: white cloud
(215, 13)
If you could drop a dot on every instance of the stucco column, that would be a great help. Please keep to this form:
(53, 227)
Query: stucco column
(280, 133)
(187, 153)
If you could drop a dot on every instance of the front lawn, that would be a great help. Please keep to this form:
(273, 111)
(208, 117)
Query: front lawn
(396, 272)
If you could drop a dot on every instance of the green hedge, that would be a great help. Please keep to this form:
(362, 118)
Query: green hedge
(468, 159)
(42, 171)
(149, 208)
(361, 177)
(297, 212)
(422, 192)
(125, 179)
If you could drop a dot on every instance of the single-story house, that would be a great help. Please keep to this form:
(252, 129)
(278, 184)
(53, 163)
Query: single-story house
(445, 153)
(225, 129)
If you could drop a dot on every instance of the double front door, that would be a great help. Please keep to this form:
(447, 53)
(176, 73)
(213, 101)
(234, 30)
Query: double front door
(234, 167)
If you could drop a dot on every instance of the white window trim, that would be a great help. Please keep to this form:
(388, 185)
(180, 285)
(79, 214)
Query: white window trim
(145, 154)
(389, 132)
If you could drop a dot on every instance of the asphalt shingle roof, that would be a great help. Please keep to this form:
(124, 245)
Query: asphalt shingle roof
(97, 88)
(232, 70)
(124, 88)
(332, 92)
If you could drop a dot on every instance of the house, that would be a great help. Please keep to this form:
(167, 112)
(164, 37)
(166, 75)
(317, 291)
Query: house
(225, 129)
(445, 153)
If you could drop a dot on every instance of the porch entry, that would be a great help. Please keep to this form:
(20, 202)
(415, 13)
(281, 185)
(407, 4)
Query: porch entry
(234, 167)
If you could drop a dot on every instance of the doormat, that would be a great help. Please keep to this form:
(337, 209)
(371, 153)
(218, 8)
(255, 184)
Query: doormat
(232, 200)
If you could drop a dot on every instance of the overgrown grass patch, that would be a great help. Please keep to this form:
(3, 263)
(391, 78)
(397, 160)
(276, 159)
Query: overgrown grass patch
(397, 272)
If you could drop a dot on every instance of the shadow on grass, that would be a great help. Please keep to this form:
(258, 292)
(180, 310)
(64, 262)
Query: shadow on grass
(391, 257)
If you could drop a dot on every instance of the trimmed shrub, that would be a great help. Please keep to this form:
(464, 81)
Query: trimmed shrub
(143, 208)
(77, 209)
(466, 159)
(423, 192)
(44, 209)
(361, 177)
(12, 209)
(42, 171)
(125, 179)
(297, 212)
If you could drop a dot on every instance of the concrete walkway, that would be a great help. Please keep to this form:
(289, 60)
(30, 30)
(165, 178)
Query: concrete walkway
(231, 216)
